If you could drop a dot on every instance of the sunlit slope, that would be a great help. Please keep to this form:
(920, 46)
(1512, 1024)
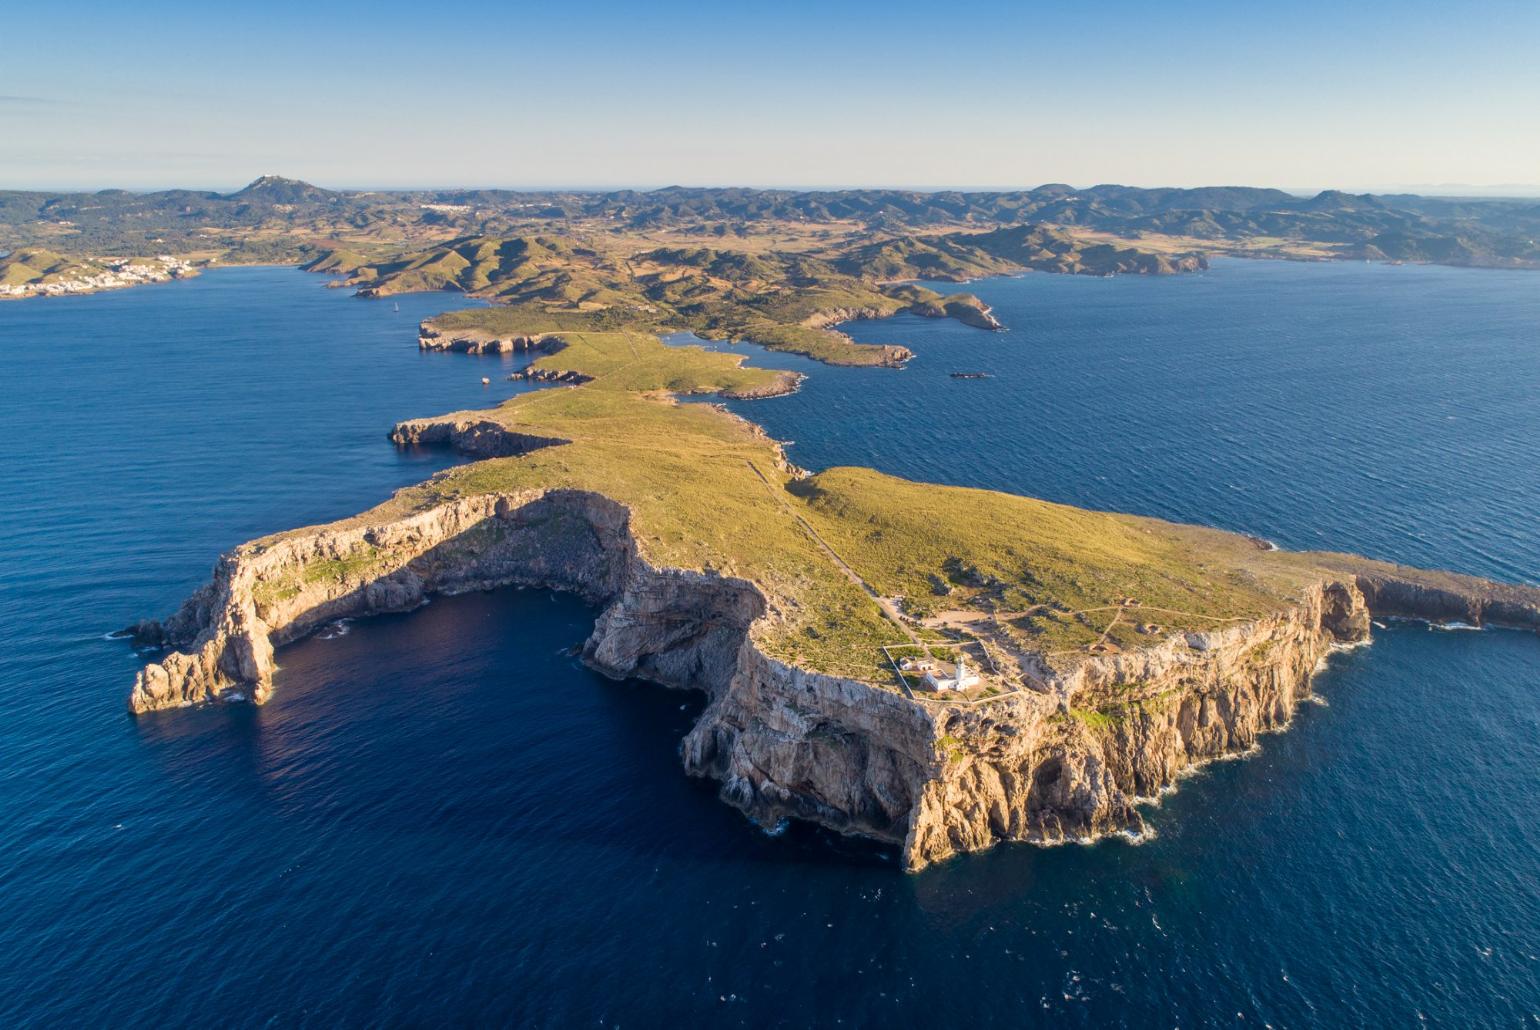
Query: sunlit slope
(710, 491)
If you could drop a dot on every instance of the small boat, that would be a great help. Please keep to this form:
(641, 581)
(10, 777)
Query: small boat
(486, 381)
(971, 375)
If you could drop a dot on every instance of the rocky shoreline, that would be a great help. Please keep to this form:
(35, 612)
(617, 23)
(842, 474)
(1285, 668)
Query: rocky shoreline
(432, 337)
(478, 341)
(1068, 759)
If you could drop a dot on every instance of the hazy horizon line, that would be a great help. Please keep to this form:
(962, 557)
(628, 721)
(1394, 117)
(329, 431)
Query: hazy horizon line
(1491, 191)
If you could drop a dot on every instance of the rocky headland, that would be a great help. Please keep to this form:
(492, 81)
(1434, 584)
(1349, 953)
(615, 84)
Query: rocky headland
(476, 340)
(1067, 756)
(1116, 651)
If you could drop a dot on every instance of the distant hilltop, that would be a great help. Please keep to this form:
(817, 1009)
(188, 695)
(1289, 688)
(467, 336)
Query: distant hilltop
(275, 189)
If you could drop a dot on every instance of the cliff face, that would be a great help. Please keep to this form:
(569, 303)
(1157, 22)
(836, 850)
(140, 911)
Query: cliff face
(1394, 592)
(477, 437)
(1074, 763)
(1070, 761)
(1067, 760)
(275, 590)
(787, 743)
(475, 341)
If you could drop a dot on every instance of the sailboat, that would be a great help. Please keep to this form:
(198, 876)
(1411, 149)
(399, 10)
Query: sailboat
(395, 307)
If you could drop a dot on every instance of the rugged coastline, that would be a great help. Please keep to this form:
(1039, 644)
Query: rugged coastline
(433, 336)
(1115, 651)
(1066, 758)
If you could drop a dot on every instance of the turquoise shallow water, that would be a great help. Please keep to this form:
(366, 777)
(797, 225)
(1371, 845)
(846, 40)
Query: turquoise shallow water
(441, 817)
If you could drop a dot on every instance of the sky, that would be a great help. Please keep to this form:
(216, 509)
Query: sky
(946, 94)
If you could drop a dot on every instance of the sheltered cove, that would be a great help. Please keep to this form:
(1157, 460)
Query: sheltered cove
(721, 567)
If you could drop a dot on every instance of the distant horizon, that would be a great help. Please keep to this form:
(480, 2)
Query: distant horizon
(1374, 96)
(1494, 191)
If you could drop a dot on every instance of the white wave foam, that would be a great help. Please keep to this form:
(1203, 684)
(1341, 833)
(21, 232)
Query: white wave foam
(1320, 665)
(1137, 838)
(1239, 756)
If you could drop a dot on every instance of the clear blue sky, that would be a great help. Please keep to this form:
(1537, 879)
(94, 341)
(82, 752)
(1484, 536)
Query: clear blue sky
(959, 93)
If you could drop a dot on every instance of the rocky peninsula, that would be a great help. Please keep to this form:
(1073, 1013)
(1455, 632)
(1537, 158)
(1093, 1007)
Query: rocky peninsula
(1113, 651)
(547, 285)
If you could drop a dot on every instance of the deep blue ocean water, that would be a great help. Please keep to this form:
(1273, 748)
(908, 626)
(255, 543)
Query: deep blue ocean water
(440, 817)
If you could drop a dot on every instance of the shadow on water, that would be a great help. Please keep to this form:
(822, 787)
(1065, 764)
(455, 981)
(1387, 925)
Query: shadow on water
(493, 672)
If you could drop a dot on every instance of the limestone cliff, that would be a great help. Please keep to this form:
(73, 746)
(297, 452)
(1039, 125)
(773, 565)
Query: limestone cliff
(470, 435)
(1068, 761)
(279, 588)
(1067, 758)
(431, 336)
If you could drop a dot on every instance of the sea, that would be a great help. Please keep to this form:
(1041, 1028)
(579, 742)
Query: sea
(442, 818)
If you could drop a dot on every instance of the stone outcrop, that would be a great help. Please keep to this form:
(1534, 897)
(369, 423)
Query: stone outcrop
(1067, 759)
(1405, 593)
(970, 311)
(551, 376)
(889, 355)
(1073, 763)
(783, 383)
(470, 435)
(476, 341)
(978, 315)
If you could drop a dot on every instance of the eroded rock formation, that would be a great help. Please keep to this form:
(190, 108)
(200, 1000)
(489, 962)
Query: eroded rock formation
(470, 435)
(476, 341)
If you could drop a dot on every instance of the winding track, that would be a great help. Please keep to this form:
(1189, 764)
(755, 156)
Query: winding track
(887, 607)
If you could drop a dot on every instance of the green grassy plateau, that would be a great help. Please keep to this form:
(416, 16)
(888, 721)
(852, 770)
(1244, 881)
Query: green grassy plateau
(709, 491)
